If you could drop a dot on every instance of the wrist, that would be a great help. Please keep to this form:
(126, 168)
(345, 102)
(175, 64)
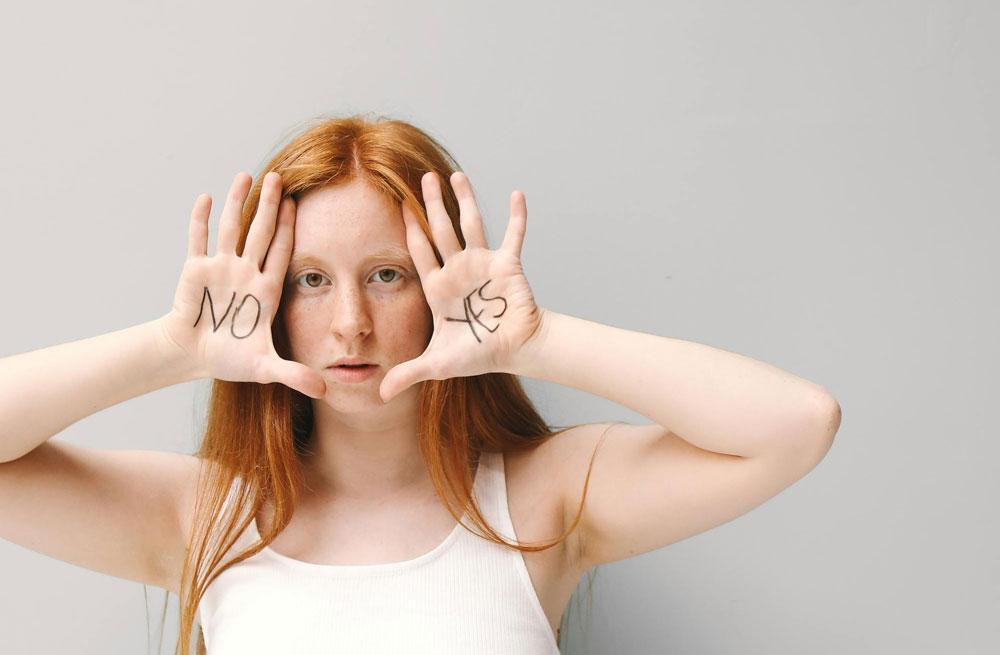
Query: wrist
(529, 356)
(179, 364)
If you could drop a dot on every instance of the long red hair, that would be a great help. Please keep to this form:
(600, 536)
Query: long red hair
(255, 433)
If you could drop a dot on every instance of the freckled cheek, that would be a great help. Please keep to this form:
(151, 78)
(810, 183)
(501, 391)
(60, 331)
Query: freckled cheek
(303, 324)
(404, 320)
(408, 328)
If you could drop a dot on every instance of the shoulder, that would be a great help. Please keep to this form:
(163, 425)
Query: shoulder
(567, 454)
(552, 474)
(194, 469)
(564, 457)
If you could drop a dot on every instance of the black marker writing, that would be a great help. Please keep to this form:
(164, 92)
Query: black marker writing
(232, 323)
(470, 313)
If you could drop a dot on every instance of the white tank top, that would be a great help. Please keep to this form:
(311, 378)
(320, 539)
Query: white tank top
(466, 595)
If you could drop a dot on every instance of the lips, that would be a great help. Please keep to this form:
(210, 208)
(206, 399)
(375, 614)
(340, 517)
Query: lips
(353, 374)
(351, 361)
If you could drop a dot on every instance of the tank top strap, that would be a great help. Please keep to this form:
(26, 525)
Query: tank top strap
(491, 493)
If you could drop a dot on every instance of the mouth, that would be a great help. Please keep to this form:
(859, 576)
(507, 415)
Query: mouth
(353, 372)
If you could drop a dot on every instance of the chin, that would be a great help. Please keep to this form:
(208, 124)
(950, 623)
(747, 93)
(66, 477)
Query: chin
(357, 399)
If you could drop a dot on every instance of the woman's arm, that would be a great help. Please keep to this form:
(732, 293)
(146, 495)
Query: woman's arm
(730, 433)
(717, 400)
(44, 391)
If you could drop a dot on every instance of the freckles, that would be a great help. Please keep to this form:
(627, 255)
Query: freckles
(302, 319)
(407, 321)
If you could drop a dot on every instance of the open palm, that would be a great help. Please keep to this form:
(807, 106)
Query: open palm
(483, 308)
(224, 304)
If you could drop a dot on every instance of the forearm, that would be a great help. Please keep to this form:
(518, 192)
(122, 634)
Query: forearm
(714, 399)
(44, 391)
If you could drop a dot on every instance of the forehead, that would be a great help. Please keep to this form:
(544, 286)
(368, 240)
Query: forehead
(347, 218)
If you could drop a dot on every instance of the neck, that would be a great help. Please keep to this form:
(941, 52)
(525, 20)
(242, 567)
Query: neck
(364, 456)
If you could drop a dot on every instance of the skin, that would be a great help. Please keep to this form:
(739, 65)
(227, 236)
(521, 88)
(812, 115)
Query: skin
(338, 304)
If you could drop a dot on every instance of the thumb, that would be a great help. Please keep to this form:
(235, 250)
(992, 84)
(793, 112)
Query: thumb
(403, 376)
(295, 375)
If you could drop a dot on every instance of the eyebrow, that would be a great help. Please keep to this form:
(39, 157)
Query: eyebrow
(400, 255)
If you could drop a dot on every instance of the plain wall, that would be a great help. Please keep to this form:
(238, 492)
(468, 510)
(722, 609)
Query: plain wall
(811, 184)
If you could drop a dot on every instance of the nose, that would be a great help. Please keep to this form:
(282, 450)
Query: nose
(351, 316)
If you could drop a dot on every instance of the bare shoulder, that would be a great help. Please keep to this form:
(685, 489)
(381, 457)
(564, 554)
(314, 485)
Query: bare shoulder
(569, 454)
(553, 473)
(566, 456)
(193, 468)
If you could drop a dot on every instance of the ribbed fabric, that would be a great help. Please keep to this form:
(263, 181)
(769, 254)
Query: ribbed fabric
(467, 595)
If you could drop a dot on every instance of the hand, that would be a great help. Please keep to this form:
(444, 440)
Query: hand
(484, 311)
(224, 305)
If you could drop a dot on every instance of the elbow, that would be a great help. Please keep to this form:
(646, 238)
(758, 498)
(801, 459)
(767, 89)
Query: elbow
(824, 422)
(810, 437)
(829, 415)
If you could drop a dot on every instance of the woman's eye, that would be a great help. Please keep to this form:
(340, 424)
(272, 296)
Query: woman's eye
(389, 270)
(310, 275)
(379, 273)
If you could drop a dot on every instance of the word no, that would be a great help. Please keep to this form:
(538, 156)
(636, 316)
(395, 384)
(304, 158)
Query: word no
(232, 323)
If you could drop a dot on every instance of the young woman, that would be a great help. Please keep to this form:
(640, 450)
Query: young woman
(372, 477)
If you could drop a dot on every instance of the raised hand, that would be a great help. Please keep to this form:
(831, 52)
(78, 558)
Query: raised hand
(484, 310)
(224, 304)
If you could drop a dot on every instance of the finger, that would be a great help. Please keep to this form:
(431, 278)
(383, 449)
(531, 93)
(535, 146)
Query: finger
(229, 223)
(402, 376)
(262, 226)
(441, 227)
(419, 246)
(280, 250)
(296, 376)
(469, 217)
(198, 227)
(513, 238)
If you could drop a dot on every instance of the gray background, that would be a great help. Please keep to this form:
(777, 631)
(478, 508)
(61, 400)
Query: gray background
(812, 184)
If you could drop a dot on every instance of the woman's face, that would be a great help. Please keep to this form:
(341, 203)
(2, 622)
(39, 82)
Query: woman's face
(351, 289)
